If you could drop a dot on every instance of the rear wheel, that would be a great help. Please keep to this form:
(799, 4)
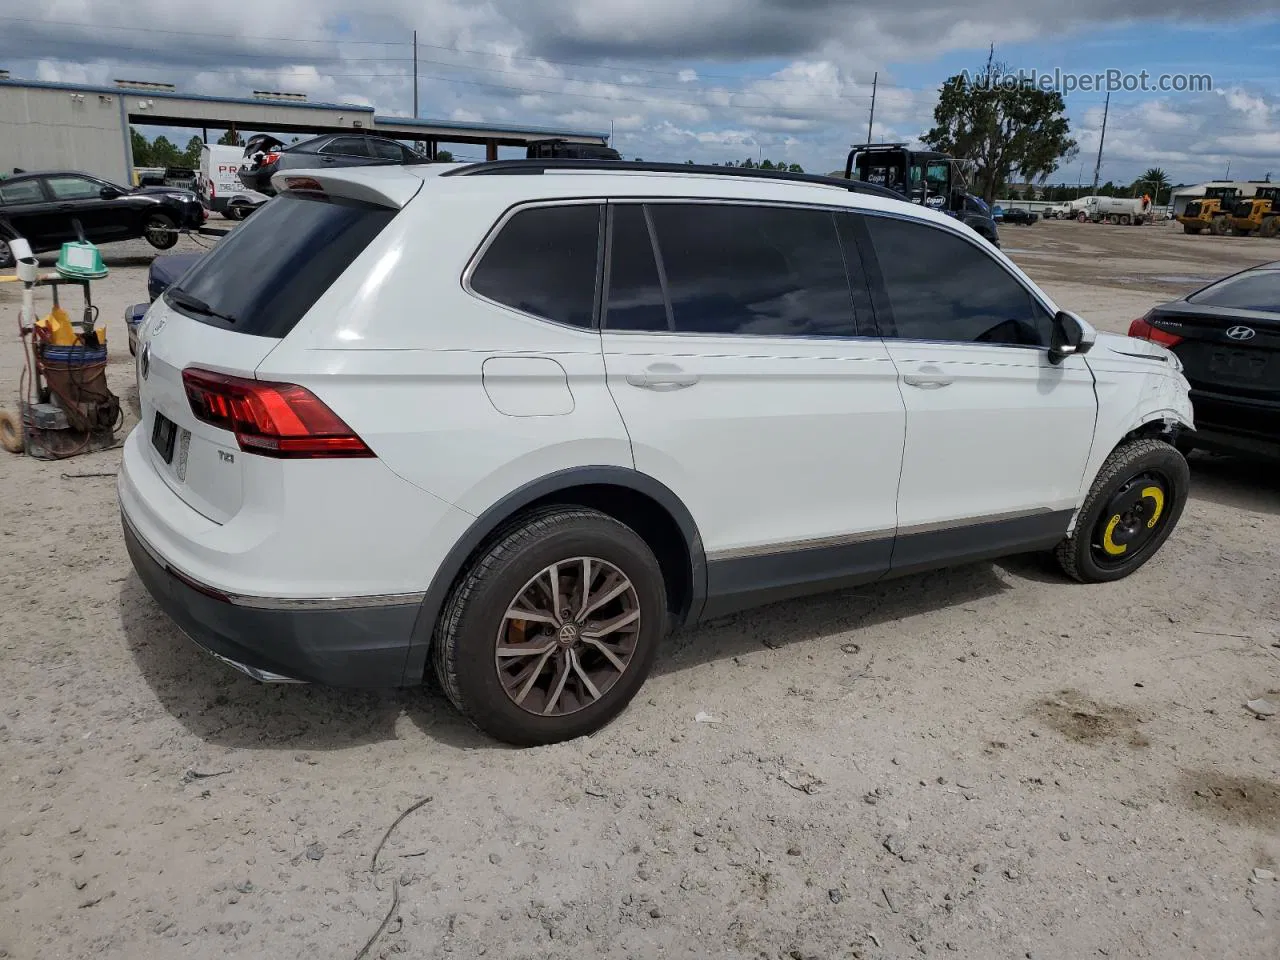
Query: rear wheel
(6, 255)
(552, 631)
(1130, 511)
(1125, 220)
(1219, 227)
(1082, 217)
(1270, 227)
(160, 231)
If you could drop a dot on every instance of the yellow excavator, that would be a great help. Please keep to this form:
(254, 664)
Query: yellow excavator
(1258, 215)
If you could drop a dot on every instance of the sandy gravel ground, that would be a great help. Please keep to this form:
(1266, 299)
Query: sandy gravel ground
(987, 762)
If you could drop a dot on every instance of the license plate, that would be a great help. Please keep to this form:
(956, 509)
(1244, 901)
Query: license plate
(163, 434)
(1238, 364)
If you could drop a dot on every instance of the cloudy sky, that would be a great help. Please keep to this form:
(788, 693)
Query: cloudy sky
(704, 80)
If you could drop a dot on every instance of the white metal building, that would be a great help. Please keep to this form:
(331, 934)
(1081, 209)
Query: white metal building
(73, 127)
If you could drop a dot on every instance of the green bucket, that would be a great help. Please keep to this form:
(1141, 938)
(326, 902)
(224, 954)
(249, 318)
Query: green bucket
(80, 260)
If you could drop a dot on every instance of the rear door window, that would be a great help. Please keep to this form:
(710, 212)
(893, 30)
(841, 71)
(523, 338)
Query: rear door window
(264, 276)
(24, 191)
(544, 262)
(387, 150)
(753, 270)
(635, 300)
(942, 287)
(347, 147)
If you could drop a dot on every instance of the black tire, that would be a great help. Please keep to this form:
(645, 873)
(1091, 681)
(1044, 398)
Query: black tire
(235, 212)
(161, 231)
(1219, 227)
(464, 648)
(6, 256)
(1084, 555)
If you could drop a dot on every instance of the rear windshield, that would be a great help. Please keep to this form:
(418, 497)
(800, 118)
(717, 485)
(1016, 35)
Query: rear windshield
(264, 276)
(1255, 290)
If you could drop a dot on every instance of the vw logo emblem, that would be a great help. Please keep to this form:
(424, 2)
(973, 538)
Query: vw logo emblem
(144, 360)
(1242, 333)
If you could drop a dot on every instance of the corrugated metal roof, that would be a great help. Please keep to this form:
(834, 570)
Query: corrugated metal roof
(486, 127)
(166, 95)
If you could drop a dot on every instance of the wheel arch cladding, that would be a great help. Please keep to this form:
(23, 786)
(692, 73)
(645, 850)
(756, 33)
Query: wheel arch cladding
(635, 499)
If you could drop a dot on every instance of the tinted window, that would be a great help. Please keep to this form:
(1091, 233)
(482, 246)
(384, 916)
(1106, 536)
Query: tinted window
(347, 147)
(635, 293)
(73, 188)
(265, 275)
(24, 191)
(544, 263)
(942, 287)
(766, 271)
(1256, 290)
(387, 150)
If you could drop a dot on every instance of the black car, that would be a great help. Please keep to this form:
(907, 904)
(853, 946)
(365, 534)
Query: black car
(268, 156)
(1017, 215)
(42, 208)
(564, 150)
(1227, 336)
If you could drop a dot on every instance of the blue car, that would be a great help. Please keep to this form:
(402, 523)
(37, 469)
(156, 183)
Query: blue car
(163, 273)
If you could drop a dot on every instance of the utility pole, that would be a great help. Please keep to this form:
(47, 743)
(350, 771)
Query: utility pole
(1228, 176)
(415, 74)
(1097, 167)
(875, 80)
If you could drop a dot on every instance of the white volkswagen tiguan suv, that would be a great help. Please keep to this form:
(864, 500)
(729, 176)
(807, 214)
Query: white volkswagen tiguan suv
(514, 421)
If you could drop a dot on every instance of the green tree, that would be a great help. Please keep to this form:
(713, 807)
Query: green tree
(1155, 181)
(766, 165)
(231, 139)
(444, 156)
(795, 168)
(164, 153)
(141, 148)
(1002, 126)
(191, 155)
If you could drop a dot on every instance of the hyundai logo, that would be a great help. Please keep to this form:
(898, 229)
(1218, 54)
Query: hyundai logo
(1242, 333)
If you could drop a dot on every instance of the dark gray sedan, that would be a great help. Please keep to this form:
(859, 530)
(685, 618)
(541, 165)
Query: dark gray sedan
(267, 156)
(1227, 336)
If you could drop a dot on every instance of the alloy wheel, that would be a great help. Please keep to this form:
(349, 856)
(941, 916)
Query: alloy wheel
(568, 636)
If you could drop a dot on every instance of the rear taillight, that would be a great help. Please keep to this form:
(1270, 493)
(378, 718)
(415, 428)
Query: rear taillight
(270, 158)
(1143, 330)
(272, 419)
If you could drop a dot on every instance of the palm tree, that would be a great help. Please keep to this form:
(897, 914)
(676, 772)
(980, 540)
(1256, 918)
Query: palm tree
(1158, 179)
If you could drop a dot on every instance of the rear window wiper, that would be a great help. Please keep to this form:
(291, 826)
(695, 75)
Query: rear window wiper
(188, 301)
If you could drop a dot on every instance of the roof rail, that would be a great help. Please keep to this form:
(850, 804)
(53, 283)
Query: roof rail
(540, 166)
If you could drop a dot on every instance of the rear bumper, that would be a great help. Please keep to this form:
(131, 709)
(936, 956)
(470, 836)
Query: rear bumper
(326, 642)
(1236, 424)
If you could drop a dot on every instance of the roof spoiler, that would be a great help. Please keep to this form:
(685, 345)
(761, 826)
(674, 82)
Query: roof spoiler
(381, 186)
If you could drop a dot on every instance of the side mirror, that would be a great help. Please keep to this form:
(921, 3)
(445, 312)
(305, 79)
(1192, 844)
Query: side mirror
(1071, 336)
(109, 193)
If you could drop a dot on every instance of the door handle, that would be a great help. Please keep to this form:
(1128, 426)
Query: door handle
(928, 377)
(662, 377)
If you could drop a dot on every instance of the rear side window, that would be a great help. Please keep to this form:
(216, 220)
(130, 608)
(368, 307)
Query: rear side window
(753, 270)
(543, 262)
(387, 150)
(24, 191)
(942, 287)
(267, 274)
(1256, 290)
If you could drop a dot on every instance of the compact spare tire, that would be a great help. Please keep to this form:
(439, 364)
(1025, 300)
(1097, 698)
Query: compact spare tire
(1130, 511)
(553, 628)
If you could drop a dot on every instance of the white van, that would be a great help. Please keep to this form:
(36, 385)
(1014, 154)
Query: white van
(219, 186)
